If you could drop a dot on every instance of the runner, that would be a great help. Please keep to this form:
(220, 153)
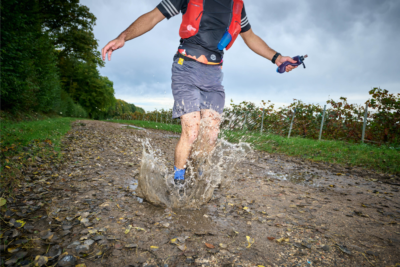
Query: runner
(208, 27)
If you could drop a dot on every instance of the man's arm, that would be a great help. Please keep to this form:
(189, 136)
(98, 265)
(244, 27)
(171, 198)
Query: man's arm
(259, 47)
(142, 25)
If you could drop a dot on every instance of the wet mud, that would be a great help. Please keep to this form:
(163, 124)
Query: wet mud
(276, 210)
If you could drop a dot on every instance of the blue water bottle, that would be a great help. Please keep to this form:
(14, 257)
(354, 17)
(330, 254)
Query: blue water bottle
(226, 39)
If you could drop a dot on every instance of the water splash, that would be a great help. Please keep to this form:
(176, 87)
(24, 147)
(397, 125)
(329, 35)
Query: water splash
(204, 173)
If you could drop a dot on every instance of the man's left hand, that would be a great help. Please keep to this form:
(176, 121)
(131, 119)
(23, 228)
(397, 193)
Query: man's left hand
(280, 60)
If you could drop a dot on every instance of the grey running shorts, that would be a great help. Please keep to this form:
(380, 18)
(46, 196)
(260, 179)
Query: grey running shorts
(196, 86)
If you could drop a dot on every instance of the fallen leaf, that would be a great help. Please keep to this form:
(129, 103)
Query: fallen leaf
(250, 241)
(173, 241)
(21, 222)
(127, 230)
(13, 249)
(209, 245)
(271, 238)
(283, 239)
(223, 245)
(139, 229)
(2, 201)
(153, 247)
(41, 260)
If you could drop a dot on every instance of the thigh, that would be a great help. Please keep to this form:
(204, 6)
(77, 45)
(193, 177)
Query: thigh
(190, 123)
(212, 100)
(211, 118)
(212, 92)
(186, 93)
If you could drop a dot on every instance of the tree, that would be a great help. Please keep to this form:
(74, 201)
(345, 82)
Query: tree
(29, 75)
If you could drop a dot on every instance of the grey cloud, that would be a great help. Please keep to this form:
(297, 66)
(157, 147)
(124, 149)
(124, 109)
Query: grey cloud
(353, 46)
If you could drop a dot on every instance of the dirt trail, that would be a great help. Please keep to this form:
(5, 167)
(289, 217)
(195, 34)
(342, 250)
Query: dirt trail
(279, 211)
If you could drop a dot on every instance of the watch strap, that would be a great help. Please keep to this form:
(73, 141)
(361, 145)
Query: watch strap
(275, 57)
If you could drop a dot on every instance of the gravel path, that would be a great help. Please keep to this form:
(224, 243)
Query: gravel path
(279, 211)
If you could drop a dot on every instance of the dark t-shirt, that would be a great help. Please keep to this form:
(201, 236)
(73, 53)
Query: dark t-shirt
(215, 20)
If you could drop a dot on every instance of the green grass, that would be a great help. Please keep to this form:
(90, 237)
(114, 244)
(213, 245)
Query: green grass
(21, 134)
(383, 159)
(40, 138)
(151, 125)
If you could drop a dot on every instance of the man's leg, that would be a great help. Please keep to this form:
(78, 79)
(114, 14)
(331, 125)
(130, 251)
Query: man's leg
(209, 130)
(190, 129)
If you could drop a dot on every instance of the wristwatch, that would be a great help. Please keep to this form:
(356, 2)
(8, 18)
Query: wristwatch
(275, 57)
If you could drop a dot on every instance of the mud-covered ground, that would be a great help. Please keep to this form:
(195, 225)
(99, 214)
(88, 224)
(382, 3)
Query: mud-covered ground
(279, 211)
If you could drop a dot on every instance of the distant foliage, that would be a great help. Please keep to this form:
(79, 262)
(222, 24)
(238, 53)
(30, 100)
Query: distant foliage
(139, 109)
(386, 121)
(130, 116)
(29, 75)
(343, 121)
(163, 116)
(68, 108)
(48, 50)
(120, 108)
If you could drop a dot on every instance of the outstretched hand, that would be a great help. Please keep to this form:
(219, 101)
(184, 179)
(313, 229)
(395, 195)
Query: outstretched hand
(110, 47)
(280, 60)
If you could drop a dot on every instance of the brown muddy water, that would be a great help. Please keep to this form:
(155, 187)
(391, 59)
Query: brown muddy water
(276, 210)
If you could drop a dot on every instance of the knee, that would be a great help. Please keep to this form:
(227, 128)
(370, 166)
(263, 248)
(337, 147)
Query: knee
(191, 135)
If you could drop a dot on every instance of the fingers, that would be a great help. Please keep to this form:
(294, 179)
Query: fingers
(290, 68)
(109, 55)
(104, 51)
(108, 49)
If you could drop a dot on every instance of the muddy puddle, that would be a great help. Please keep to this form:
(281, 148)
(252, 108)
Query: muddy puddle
(204, 174)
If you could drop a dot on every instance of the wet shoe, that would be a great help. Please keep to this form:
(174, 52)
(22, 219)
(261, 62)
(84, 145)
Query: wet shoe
(179, 176)
(179, 181)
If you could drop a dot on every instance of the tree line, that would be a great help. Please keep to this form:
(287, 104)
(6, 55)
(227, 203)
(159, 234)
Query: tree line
(49, 60)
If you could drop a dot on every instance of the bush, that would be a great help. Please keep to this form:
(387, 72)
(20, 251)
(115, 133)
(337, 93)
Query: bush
(67, 108)
(130, 116)
(343, 121)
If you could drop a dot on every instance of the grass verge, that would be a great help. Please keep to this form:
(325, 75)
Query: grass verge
(151, 125)
(29, 143)
(382, 159)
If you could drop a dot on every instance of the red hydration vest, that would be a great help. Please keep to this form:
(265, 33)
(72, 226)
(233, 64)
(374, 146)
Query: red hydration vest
(191, 20)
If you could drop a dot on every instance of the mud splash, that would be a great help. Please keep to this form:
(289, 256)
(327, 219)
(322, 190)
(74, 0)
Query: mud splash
(155, 181)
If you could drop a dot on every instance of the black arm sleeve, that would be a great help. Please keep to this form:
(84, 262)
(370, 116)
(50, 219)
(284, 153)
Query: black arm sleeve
(245, 22)
(170, 8)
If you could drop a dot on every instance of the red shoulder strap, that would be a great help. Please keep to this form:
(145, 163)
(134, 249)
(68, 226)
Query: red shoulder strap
(191, 19)
(236, 22)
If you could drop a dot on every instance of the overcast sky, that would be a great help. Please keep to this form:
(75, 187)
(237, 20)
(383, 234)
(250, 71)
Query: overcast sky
(353, 46)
